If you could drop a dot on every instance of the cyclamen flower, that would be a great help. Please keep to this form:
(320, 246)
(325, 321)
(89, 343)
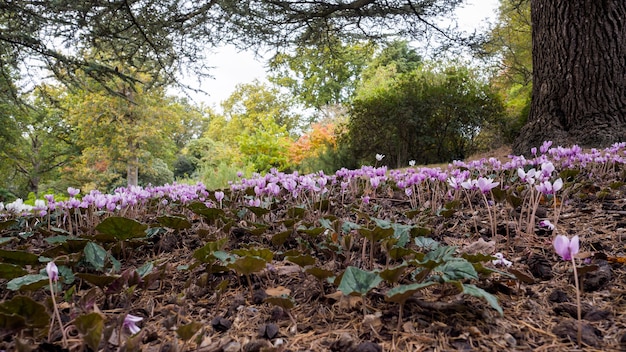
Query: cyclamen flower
(411, 163)
(547, 224)
(130, 322)
(500, 260)
(486, 184)
(73, 191)
(219, 196)
(53, 271)
(527, 176)
(380, 157)
(546, 187)
(565, 247)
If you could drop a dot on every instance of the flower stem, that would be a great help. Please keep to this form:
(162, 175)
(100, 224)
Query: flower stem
(56, 313)
(578, 308)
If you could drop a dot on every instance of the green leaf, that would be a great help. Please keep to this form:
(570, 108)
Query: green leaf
(90, 326)
(313, 232)
(121, 228)
(258, 211)
(296, 212)
(262, 253)
(95, 255)
(478, 257)
(398, 252)
(457, 269)
(174, 222)
(4, 240)
(392, 275)
(440, 254)
(478, 292)
(247, 265)
(30, 282)
(376, 234)
(205, 253)
(400, 294)
(186, 332)
(301, 260)
(358, 282)
(145, 269)
(19, 257)
(426, 243)
(7, 224)
(34, 314)
(402, 233)
(57, 239)
(319, 273)
(97, 279)
(283, 301)
(210, 214)
(10, 271)
(280, 238)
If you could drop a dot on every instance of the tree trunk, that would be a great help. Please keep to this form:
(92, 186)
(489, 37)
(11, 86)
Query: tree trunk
(132, 166)
(579, 74)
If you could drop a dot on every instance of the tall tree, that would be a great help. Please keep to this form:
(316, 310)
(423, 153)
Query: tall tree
(321, 75)
(579, 74)
(45, 144)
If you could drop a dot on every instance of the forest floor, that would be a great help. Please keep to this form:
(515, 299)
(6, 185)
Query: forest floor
(539, 307)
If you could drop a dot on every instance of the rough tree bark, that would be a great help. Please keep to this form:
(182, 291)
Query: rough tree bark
(579, 74)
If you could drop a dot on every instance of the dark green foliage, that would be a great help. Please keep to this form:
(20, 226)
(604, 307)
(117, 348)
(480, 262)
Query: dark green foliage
(428, 115)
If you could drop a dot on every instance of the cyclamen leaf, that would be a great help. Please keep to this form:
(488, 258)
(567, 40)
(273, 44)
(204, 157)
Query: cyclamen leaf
(186, 332)
(122, 228)
(478, 292)
(401, 293)
(19, 257)
(358, 282)
(174, 222)
(29, 282)
(34, 314)
(10, 271)
(95, 255)
(457, 269)
(90, 326)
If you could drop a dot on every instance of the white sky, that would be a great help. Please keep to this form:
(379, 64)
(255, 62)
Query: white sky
(232, 67)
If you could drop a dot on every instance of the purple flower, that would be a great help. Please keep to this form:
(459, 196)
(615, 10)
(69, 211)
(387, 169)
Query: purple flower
(73, 191)
(53, 271)
(130, 322)
(500, 260)
(219, 196)
(486, 184)
(546, 187)
(565, 247)
(547, 224)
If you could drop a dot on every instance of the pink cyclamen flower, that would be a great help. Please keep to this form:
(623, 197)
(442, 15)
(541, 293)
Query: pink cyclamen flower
(130, 322)
(53, 271)
(219, 196)
(500, 260)
(565, 247)
(547, 224)
(546, 187)
(486, 184)
(73, 192)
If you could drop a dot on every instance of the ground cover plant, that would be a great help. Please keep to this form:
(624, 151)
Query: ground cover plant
(478, 255)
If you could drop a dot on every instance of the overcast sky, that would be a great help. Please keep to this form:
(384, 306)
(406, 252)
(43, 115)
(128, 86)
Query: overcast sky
(232, 67)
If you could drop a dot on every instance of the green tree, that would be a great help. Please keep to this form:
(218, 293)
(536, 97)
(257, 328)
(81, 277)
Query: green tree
(321, 75)
(257, 122)
(128, 133)
(45, 144)
(429, 115)
(511, 42)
